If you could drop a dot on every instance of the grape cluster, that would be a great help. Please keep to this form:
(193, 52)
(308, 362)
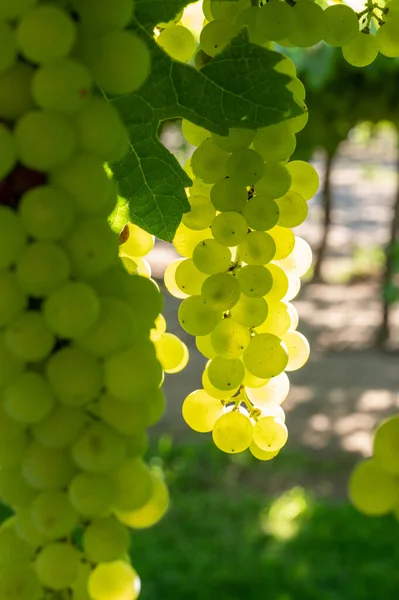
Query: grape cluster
(374, 483)
(80, 381)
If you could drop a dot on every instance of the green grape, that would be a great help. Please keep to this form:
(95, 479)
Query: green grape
(201, 411)
(245, 167)
(9, 429)
(72, 310)
(105, 540)
(276, 181)
(75, 376)
(309, 24)
(185, 239)
(258, 248)
(293, 208)
(92, 247)
(387, 39)
(139, 242)
(19, 582)
(228, 195)
(293, 314)
(98, 449)
(372, 490)
(208, 162)
(13, 299)
(53, 515)
(79, 588)
(46, 33)
(276, 20)
(8, 151)
(12, 451)
(230, 338)
(201, 214)
(277, 322)
(233, 432)
(178, 42)
(386, 445)
(286, 65)
(28, 337)
(12, 237)
(60, 428)
(114, 581)
(226, 9)
(250, 381)
(152, 511)
(211, 257)
(261, 213)
(47, 212)
(171, 352)
(205, 346)
(229, 228)
(42, 268)
(11, 545)
(361, 51)
(157, 403)
(298, 350)
(159, 328)
(280, 284)
(215, 36)
(304, 177)
(261, 454)
(14, 489)
(15, 91)
(221, 291)
(298, 123)
(294, 285)
(237, 139)
(225, 373)
(300, 260)
(297, 88)
(129, 418)
(255, 281)
(188, 278)
(266, 355)
(121, 63)
(57, 565)
(8, 47)
(133, 485)
(13, 9)
(91, 494)
(170, 278)
(44, 140)
(250, 312)
(196, 317)
(270, 433)
(29, 399)
(284, 239)
(101, 16)
(215, 392)
(199, 188)
(275, 143)
(341, 24)
(44, 467)
(194, 134)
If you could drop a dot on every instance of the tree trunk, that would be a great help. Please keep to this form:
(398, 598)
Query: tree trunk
(327, 204)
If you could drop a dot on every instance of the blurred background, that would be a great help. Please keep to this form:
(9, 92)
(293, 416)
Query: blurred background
(284, 530)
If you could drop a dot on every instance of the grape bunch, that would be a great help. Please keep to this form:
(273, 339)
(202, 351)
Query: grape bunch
(80, 381)
(374, 482)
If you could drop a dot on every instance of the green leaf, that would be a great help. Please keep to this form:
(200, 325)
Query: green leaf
(151, 12)
(238, 88)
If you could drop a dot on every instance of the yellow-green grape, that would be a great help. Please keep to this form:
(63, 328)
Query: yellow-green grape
(284, 239)
(294, 285)
(105, 539)
(42, 268)
(361, 51)
(132, 417)
(215, 36)
(187, 168)
(274, 411)
(272, 393)
(28, 337)
(245, 167)
(188, 278)
(133, 484)
(228, 195)
(275, 143)
(258, 248)
(186, 239)
(309, 24)
(255, 281)
(100, 17)
(280, 284)
(196, 317)
(200, 188)
(297, 88)
(204, 345)
(386, 445)
(300, 260)
(159, 328)
(152, 511)
(266, 355)
(208, 162)
(298, 350)
(139, 242)
(237, 139)
(194, 134)
(229, 228)
(172, 353)
(293, 313)
(19, 581)
(215, 392)
(250, 312)
(298, 123)
(221, 291)
(286, 65)
(229, 338)
(170, 279)
(29, 399)
(79, 588)
(276, 20)
(226, 9)
(387, 39)
(304, 177)
(226, 373)
(278, 320)
(56, 565)
(91, 494)
(293, 208)
(201, 214)
(341, 24)
(270, 434)
(275, 182)
(15, 91)
(251, 381)
(129, 264)
(261, 213)
(201, 411)
(261, 454)
(210, 257)
(233, 432)
(372, 490)
(114, 581)
(178, 42)
(26, 528)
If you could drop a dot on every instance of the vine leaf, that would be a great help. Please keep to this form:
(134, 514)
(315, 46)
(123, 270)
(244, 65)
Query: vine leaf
(150, 12)
(238, 88)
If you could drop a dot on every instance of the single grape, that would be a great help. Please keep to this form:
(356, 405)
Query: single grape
(194, 134)
(98, 449)
(272, 393)
(188, 278)
(293, 209)
(209, 162)
(210, 257)
(246, 167)
(28, 337)
(276, 20)
(229, 228)
(261, 213)
(372, 490)
(386, 445)
(233, 432)
(172, 353)
(91, 494)
(114, 581)
(284, 239)
(56, 565)
(29, 399)
(60, 428)
(221, 291)
(230, 338)
(304, 177)
(298, 350)
(53, 515)
(262, 454)
(309, 24)
(201, 411)
(226, 373)
(45, 468)
(204, 345)
(250, 312)
(178, 42)
(275, 182)
(270, 434)
(277, 322)
(105, 540)
(341, 24)
(237, 139)
(215, 36)
(387, 39)
(227, 195)
(196, 317)
(275, 143)
(152, 511)
(201, 214)
(255, 281)
(185, 239)
(47, 212)
(101, 16)
(266, 355)
(361, 51)
(258, 248)
(72, 310)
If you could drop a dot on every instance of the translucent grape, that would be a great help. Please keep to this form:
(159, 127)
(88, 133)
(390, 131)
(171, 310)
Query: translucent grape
(105, 540)
(8, 151)
(91, 494)
(215, 392)
(386, 444)
(233, 432)
(208, 162)
(341, 24)
(152, 511)
(185, 239)
(372, 490)
(15, 91)
(294, 285)
(57, 565)
(250, 312)
(277, 322)
(298, 350)
(139, 242)
(293, 208)
(188, 278)
(261, 454)
(304, 177)
(309, 24)
(275, 143)
(258, 248)
(272, 393)
(29, 399)
(28, 337)
(261, 213)
(201, 214)
(361, 51)
(172, 353)
(230, 338)
(204, 345)
(170, 278)
(194, 134)
(114, 581)
(60, 428)
(293, 313)
(42, 268)
(44, 467)
(226, 373)
(210, 257)
(129, 418)
(196, 317)
(276, 20)
(255, 281)
(286, 65)
(201, 411)
(215, 36)
(270, 434)
(387, 39)
(53, 514)
(266, 355)
(275, 182)
(159, 328)
(237, 139)
(72, 310)
(298, 123)
(47, 212)
(227, 195)
(133, 483)
(229, 228)
(221, 291)
(245, 167)
(98, 449)
(200, 188)
(100, 16)
(178, 42)
(284, 240)
(300, 260)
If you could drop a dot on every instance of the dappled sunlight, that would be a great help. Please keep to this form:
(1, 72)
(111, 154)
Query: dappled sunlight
(283, 519)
